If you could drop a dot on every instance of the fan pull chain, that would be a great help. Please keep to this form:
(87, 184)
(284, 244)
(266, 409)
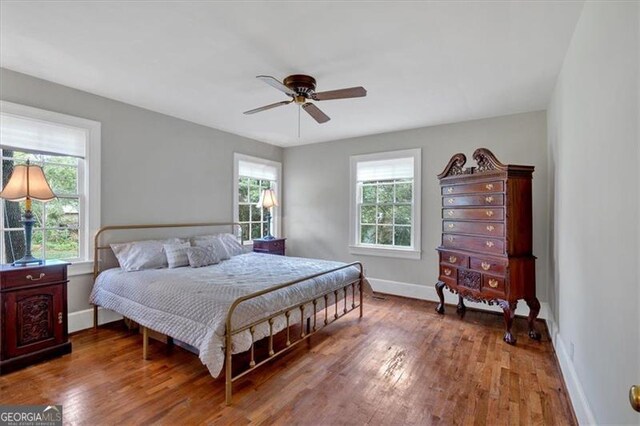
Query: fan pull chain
(299, 109)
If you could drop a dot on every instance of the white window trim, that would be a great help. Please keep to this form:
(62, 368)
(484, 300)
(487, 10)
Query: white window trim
(90, 220)
(275, 218)
(414, 252)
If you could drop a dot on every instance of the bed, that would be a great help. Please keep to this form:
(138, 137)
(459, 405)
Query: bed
(226, 308)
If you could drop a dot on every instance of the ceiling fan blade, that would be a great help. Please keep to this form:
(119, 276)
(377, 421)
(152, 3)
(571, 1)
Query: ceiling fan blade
(273, 82)
(266, 107)
(315, 112)
(351, 92)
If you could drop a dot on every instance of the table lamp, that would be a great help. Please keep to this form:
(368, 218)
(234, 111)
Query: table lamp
(268, 200)
(27, 182)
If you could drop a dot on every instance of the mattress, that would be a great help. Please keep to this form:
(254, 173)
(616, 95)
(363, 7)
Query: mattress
(191, 304)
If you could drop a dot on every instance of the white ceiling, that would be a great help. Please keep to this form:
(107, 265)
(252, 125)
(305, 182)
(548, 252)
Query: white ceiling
(422, 63)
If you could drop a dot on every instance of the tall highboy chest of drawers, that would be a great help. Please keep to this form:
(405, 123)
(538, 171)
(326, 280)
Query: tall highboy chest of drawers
(487, 236)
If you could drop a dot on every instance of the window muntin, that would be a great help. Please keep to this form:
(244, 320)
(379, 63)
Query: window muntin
(385, 212)
(57, 227)
(385, 209)
(252, 219)
(251, 176)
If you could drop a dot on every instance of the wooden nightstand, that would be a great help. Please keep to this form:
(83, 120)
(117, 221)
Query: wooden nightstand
(274, 246)
(33, 308)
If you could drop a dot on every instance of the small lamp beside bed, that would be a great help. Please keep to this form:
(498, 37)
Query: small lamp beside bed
(27, 182)
(267, 201)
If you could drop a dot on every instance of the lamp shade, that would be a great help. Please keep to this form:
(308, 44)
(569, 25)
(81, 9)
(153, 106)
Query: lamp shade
(27, 181)
(267, 199)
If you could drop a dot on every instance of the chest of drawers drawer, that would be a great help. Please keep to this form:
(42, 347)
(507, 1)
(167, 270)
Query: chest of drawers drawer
(474, 214)
(470, 188)
(478, 228)
(455, 259)
(477, 244)
(17, 277)
(473, 200)
(486, 264)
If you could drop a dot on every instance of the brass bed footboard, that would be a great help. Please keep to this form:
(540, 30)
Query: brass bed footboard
(311, 330)
(338, 296)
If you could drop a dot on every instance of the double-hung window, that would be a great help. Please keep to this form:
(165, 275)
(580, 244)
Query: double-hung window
(385, 204)
(252, 175)
(68, 149)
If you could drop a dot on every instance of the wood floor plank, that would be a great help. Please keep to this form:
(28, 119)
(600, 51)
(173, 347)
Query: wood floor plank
(401, 364)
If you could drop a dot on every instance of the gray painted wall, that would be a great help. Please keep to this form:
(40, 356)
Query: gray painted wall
(156, 168)
(593, 156)
(316, 184)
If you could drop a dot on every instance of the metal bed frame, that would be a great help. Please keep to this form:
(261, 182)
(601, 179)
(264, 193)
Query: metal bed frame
(356, 302)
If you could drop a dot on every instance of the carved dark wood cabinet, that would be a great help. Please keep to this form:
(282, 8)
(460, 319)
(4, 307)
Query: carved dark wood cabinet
(33, 302)
(487, 236)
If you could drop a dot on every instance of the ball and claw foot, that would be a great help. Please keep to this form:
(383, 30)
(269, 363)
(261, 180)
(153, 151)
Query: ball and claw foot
(509, 338)
(533, 334)
(440, 308)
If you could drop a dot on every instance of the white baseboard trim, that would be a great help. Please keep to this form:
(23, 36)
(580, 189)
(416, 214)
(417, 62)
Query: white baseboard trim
(423, 292)
(81, 320)
(576, 392)
(577, 396)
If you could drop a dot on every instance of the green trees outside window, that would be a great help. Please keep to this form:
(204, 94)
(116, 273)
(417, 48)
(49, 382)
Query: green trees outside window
(55, 233)
(252, 219)
(385, 212)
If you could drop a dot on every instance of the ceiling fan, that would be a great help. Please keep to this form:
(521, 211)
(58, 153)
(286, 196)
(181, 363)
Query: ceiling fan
(302, 89)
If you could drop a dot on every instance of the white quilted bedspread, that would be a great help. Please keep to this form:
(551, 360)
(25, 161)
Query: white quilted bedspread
(191, 304)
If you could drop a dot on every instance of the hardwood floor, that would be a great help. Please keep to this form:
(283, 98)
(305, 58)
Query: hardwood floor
(401, 364)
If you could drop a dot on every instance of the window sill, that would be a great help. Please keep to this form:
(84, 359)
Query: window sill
(80, 267)
(386, 252)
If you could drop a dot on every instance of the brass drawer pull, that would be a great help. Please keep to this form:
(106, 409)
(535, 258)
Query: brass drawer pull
(450, 238)
(447, 271)
(489, 186)
(493, 283)
(490, 228)
(450, 212)
(450, 201)
(486, 266)
(453, 259)
(449, 190)
(451, 225)
(30, 277)
(490, 243)
(59, 317)
(489, 213)
(488, 199)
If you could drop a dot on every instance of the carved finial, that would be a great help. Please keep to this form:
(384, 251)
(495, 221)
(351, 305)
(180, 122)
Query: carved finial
(487, 161)
(455, 166)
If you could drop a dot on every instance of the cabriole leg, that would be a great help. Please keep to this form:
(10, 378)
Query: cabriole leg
(439, 287)
(460, 309)
(509, 310)
(534, 309)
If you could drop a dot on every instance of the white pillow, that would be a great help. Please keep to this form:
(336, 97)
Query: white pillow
(232, 244)
(140, 255)
(212, 240)
(177, 254)
(202, 256)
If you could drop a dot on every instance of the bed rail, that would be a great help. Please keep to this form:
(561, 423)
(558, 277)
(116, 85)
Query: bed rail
(338, 295)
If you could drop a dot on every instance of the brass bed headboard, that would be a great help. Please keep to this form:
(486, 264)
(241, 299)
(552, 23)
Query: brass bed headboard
(98, 247)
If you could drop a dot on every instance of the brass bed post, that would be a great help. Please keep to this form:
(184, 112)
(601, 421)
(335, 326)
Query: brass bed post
(360, 284)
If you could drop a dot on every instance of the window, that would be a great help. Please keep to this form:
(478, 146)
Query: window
(385, 204)
(251, 176)
(68, 150)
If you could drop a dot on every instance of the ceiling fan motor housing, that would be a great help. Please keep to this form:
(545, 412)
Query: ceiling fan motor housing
(303, 85)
